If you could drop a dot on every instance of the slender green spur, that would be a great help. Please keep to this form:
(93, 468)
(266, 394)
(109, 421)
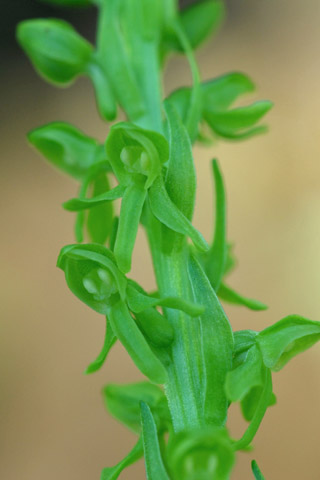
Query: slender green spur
(178, 336)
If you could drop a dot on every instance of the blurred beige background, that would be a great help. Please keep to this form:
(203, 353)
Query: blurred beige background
(53, 423)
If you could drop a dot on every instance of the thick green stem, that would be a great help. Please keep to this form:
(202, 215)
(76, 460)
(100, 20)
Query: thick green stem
(184, 371)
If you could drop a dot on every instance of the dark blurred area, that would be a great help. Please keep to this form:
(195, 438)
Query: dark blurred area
(52, 420)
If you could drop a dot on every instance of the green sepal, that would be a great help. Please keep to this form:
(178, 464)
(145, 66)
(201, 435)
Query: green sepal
(217, 255)
(155, 468)
(138, 302)
(217, 345)
(109, 341)
(256, 471)
(129, 334)
(200, 454)
(112, 473)
(130, 213)
(236, 123)
(287, 338)
(67, 148)
(92, 275)
(99, 221)
(105, 99)
(56, 50)
(167, 213)
(123, 403)
(128, 140)
(180, 180)
(78, 204)
(239, 118)
(229, 295)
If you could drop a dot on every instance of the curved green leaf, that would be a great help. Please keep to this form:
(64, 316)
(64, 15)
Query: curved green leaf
(168, 214)
(112, 473)
(109, 341)
(155, 468)
(217, 345)
(217, 255)
(256, 471)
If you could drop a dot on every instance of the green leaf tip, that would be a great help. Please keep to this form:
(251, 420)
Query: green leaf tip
(256, 471)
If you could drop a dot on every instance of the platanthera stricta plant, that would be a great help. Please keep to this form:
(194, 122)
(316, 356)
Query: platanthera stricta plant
(179, 336)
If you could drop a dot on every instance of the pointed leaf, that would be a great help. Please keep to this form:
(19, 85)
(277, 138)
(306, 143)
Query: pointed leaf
(256, 471)
(109, 341)
(287, 338)
(112, 473)
(56, 50)
(217, 255)
(135, 343)
(217, 345)
(231, 296)
(168, 214)
(154, 464)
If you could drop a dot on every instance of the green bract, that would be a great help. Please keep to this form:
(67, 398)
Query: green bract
(178, 336)
(56, 50)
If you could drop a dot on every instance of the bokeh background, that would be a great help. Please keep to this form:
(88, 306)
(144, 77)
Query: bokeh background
(53, 422)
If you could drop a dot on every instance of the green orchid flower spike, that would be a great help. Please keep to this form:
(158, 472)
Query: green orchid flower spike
(137, 157)
(93, 276)
(179, 336)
